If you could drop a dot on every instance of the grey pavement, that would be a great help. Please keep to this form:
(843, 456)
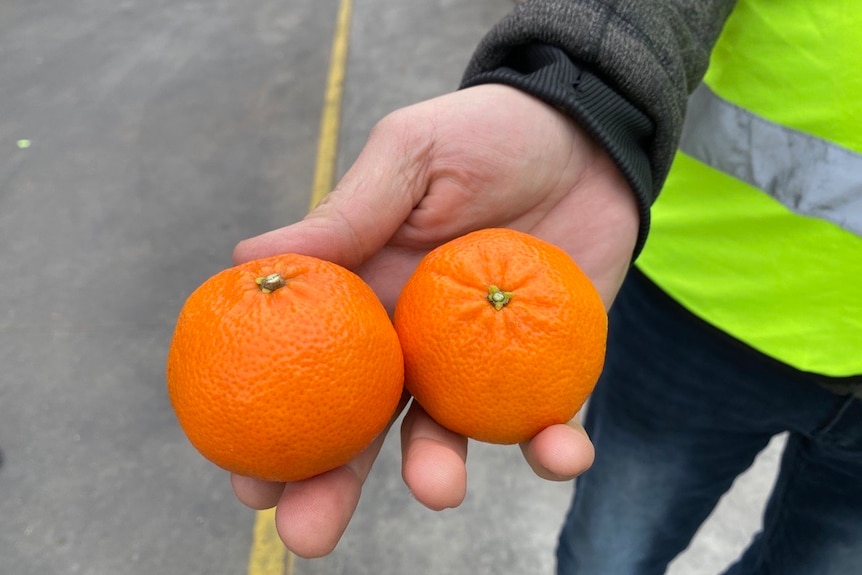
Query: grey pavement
(139, 141)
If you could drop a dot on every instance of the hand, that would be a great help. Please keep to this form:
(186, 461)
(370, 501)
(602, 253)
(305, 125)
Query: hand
(489, 156)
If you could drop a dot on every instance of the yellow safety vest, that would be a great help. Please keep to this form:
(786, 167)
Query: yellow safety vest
(758, 229)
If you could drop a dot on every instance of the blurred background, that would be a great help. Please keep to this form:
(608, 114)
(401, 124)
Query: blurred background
(139, 141)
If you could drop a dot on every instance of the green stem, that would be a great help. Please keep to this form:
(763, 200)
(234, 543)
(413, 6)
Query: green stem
(499, 298)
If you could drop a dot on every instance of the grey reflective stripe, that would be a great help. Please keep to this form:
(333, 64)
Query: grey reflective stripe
(811, 176)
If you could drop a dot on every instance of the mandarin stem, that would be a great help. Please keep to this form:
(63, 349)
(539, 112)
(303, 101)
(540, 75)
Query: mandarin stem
(498, 298)
(270, 283)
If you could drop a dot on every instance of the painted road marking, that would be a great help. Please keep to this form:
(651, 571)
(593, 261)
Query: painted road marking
(267, 556)
(330, 118)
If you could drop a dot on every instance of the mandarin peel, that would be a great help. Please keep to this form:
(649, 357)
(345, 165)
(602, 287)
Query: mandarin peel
(495, 375)
(284, 386)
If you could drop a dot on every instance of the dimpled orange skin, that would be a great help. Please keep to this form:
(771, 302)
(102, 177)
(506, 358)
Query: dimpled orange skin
(500, 376)
(285, 385)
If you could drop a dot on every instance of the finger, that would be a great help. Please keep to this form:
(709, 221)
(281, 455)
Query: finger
(312, 515)
(559, 452)
(371, 201)
(433, 461)
(256, 493)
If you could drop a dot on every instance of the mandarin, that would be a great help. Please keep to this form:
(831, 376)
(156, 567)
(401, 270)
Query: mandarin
(283, 368)
(503, 335)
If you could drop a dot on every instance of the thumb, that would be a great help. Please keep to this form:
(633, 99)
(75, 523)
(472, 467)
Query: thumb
(365, 209)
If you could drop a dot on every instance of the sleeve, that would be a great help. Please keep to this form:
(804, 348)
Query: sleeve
(623, 69)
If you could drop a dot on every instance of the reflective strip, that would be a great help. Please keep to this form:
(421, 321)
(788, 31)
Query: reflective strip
(809, 175)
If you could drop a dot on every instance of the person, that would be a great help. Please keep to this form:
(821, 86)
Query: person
(741, 316)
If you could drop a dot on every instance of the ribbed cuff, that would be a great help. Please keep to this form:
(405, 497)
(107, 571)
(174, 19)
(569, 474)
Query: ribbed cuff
(546, 73)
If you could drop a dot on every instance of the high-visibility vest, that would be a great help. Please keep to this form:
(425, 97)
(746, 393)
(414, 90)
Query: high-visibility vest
(758, 229)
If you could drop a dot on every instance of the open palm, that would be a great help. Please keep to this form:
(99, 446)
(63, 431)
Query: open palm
(490, 156)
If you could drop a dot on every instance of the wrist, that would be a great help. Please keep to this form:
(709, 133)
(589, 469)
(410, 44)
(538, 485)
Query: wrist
(624, 132)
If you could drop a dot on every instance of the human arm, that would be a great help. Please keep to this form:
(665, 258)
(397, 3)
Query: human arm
(480, 157)
(622, 70)
(487, 156)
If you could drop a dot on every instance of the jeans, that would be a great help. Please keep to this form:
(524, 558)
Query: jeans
(679, 412)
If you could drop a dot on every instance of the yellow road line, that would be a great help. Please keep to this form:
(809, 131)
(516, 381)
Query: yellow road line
(267, 551)
(268, 555)
(330, 119)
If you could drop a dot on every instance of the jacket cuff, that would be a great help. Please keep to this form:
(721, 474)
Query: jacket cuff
(548, 74)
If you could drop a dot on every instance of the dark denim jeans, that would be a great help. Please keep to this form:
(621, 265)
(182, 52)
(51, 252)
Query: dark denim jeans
(680, 411)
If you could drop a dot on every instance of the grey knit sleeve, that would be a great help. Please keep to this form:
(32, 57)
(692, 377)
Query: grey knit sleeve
(652, 53)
